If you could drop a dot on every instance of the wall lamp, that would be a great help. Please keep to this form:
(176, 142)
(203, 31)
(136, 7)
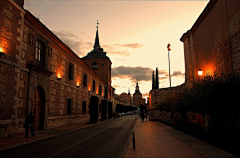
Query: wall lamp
(1, 52)
(200, 72)
(59, 77)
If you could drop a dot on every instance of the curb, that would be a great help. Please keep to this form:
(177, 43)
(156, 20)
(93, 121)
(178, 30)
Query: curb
(128, 141)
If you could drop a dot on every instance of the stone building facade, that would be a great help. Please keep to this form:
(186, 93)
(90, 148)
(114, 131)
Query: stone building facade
(40, 73)
(127, 98)
(212, 44)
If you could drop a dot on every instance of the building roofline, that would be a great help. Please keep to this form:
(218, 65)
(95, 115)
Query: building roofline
(199, 20)
(68, 51)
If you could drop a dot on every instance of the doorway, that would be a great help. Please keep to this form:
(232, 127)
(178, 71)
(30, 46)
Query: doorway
(38, 108)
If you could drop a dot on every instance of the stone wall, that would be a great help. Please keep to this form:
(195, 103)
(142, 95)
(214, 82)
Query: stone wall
(158, 95)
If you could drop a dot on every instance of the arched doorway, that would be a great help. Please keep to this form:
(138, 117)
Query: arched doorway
(110, 110)
(104, 109)
(38, 108)
(93, 109)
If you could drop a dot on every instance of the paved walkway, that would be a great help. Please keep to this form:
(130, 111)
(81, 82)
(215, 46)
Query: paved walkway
(155, 139)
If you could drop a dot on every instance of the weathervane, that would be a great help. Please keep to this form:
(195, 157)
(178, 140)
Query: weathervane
(97, 23)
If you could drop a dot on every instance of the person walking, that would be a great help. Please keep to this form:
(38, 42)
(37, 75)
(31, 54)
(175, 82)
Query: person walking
(146, 115)
(29, 124)
(142, 116)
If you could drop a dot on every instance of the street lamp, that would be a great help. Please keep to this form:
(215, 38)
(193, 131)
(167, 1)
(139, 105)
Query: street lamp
(168, 47)
(200, 72)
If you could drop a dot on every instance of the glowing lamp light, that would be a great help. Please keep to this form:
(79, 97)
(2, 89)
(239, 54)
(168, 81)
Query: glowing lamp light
(1, 52)
(59, 77)
(78, 85)
(200, 72)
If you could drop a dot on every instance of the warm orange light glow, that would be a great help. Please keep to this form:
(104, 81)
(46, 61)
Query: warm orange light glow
(1, 50)
(59, 76)
(78, 84)
(89, 88)
(200, 72)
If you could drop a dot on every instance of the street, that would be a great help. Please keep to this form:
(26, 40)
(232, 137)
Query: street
(107, 139)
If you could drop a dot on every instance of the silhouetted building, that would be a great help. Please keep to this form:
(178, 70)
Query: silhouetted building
(137, 97)
(40, 73)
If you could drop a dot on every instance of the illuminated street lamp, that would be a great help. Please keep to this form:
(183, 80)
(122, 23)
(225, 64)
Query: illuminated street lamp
(168, 47)
(200, 72)
(1, 52)
(59, 77)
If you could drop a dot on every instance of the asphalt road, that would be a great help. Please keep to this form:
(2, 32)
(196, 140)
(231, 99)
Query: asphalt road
(108, 139)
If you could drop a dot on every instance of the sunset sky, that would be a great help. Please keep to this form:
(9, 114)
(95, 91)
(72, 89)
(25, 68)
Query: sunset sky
(134, 34)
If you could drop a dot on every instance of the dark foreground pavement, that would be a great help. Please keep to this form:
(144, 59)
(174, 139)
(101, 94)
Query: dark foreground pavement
(155, 139)
(152, 139)
(108, 139)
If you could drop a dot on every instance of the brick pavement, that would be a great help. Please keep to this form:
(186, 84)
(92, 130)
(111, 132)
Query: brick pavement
(155, 139)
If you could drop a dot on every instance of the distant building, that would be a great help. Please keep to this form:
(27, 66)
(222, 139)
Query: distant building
(40, 73)
(127, 98)
(137, 97)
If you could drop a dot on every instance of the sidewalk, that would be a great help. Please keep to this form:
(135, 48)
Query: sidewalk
(18, 140)
(155, 139)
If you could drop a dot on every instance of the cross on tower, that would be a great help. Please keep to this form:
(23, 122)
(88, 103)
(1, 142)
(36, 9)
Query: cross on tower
(97, 23)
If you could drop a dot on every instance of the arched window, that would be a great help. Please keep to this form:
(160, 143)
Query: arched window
(94, 65)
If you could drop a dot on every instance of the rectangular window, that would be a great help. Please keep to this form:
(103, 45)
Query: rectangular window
(40, 52)
(70, 71)
(69, 105)
(84, 107)
(85, 80)
(94, 85)
(100, 89)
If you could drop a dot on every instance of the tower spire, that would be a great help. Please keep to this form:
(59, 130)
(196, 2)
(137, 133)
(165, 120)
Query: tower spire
(97, 43)
(137, 82)
(153, 81)
(157, 79)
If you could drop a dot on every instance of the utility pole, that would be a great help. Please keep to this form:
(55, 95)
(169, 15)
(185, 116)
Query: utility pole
(168, 47)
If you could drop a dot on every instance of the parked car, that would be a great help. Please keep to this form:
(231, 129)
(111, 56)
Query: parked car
(129, 113)
(122, 114)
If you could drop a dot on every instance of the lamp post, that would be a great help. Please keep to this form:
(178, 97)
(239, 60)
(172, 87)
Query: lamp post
(168, 47)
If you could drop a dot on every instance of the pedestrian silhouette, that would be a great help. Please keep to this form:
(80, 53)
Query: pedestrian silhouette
(146, 115)
(29, 124)
(142, 116)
